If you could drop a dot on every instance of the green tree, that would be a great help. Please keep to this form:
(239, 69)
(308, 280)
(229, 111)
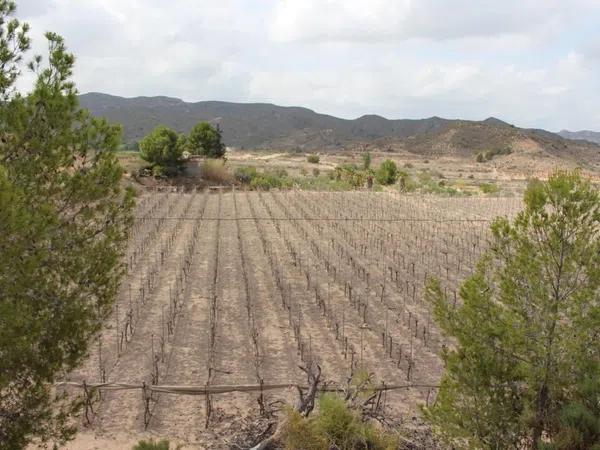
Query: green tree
(63, 221)
(528, 325)
(387, 173)
(163, 148)
(206, 140)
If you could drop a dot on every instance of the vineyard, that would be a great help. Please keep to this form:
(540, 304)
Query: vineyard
(235, 288)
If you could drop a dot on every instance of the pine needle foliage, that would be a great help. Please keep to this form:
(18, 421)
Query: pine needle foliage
(527, 329)
(63, 220)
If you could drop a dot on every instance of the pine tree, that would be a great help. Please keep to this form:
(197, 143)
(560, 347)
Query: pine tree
(206, 140)
(63, 220)
(163, 148)
(528, 326)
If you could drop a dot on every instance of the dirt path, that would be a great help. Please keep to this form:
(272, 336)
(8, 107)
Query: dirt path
(183, 416)
(233, 351)
(279, 360)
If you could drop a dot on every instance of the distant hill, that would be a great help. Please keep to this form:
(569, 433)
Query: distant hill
(251, 125)
(586, 135)
(267, 126)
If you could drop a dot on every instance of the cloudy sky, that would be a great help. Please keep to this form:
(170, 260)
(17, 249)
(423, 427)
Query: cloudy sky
(534, 63)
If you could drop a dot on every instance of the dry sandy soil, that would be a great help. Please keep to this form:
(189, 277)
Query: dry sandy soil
(230, 288)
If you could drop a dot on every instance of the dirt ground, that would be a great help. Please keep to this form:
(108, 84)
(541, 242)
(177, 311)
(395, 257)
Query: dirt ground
(232, 287)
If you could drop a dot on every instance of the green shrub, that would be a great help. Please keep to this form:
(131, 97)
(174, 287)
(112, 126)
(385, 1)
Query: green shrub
(488, 155)
(313, 159)
(300, 433)
(158, 171)
(350, 174)
(410, 185)
(440, 187)
(488, 188)
(245, 175)
(152, 445)
(387, 173)
(266, 181)
(424, 176)
(335, 426)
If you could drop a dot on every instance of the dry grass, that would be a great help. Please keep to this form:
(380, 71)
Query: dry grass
(216, 171)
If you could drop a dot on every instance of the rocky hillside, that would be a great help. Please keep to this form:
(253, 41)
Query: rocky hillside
(267, 126)
(250, 125)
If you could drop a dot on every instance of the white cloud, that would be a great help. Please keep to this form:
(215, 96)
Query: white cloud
(381, 20)
(533, 62)
(415, 89)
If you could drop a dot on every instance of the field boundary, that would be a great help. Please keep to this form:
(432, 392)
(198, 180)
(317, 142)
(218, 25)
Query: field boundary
(317, 219)
(224, 389)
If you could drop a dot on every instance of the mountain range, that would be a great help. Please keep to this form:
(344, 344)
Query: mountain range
(585, 135)
(268, 126)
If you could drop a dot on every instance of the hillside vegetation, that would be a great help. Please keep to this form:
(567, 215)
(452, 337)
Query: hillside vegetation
(267, 126)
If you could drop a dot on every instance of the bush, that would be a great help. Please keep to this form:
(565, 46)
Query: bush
(313, 159)
(158, 171)
(276, 178)
(216, 171)
(424, 176)
(387, 173)
(489, 188)
(265, 182)
(245, 175)
(488, 155)
(335, 426)
(152, 445)
(316, 172)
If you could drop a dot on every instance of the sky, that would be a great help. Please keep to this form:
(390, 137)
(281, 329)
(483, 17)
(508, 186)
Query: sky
(534, 63)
